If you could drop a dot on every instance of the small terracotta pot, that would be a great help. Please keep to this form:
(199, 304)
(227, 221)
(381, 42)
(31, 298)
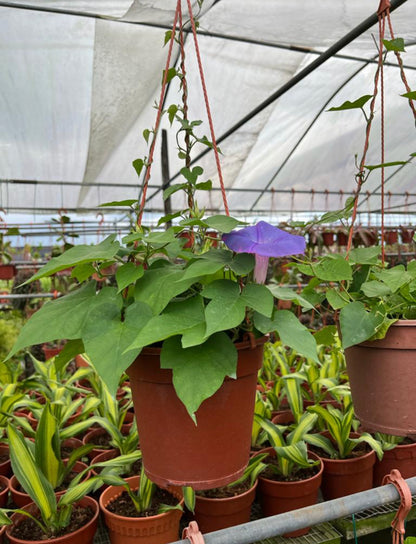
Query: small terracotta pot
(80, 361)
(72, 443)
(213, 514)
(5, 465)
(84, 534)
(21, 498)
(402, 457)
(343, 477)
(159, 529)
(92, 436)
(50, 352)
(7, 271)
(4, 494)
(278, 497)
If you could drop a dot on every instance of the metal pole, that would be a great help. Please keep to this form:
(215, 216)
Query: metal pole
(254, 531)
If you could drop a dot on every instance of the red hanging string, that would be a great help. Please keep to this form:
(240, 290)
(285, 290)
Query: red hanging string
(158, 117)
(211, 125)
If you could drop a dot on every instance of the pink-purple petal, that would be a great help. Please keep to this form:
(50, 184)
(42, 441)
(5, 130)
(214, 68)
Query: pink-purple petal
(265, 239)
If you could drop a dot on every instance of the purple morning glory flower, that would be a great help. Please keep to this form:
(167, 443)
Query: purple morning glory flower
(264, 241)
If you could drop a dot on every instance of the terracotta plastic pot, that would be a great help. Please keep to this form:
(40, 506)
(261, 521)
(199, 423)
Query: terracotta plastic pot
(4, 493)
(213, 514)
(7, 271)
(5, 463)
(382, 377)
(84, 534)
(328, 238)
(93, 435)
(2, 531)
(278, 497)
(402, 457)
(21, 498)
(343, 477)
(159, 529)
(80, 361)
(175, 450)
(50, 352)
(391, 237)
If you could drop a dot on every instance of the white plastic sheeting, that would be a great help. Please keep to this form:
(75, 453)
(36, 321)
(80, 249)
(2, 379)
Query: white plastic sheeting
(77, 91)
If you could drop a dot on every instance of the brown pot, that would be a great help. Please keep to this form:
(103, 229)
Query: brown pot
(84, 534)
(213, 514)
(159, 529)
(278, 497)
(4, 494)
(402, 457)
(80, 361)
(342, 238)
(175, 450)
(7, 271)
(50, 352)
(343, 477)
(21, 498)
(2, 531)
(72, 443)
(391, 237)
(407, 235)
(91, 437)
(5, 463)
(382, 377)
(328, 238)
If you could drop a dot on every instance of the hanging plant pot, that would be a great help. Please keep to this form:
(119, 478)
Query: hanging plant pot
(175, 451)
(382, 378)
(85, 534)
(158, 529)
(391, 237)
(407, 235)
(276, 497)
(7, 271)
(342, 238)
(402, 457)
(213, 514)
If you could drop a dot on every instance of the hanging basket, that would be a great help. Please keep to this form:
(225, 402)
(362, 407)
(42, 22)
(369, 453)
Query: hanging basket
(177, 452)
(382, 377)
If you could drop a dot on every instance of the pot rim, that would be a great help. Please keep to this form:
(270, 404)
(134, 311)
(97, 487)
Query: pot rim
(298, 482)
(225, 499)
(133, 480)
(91, 502)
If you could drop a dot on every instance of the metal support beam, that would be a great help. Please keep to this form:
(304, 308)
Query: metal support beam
(254, 531)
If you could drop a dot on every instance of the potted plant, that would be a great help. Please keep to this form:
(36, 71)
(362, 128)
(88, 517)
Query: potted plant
(399, 453)
(187, 323)
(346, 469)
(46, 452)
(7, 270)
(291, 476)
(49, 516)
(230, 505)
(375, 307)
(136, 510)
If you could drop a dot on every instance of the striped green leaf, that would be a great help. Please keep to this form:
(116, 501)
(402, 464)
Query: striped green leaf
(47, 447)
(372, 442)
(273, 431)
(305, 424)
(323, 443)
(77, 492)
(333, 422)
(77, 428)
(189, 498)
(297, 456)
(30, 476)
(291, 384)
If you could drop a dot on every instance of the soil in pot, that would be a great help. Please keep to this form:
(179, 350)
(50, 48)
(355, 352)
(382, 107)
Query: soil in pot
(223, 507)
(150, 529)
(81, 528)
(278, 494)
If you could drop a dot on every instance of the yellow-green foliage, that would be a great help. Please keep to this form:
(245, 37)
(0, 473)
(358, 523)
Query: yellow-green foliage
(9, 330)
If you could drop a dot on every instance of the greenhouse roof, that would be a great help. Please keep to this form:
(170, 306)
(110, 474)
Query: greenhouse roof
(80, 79)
